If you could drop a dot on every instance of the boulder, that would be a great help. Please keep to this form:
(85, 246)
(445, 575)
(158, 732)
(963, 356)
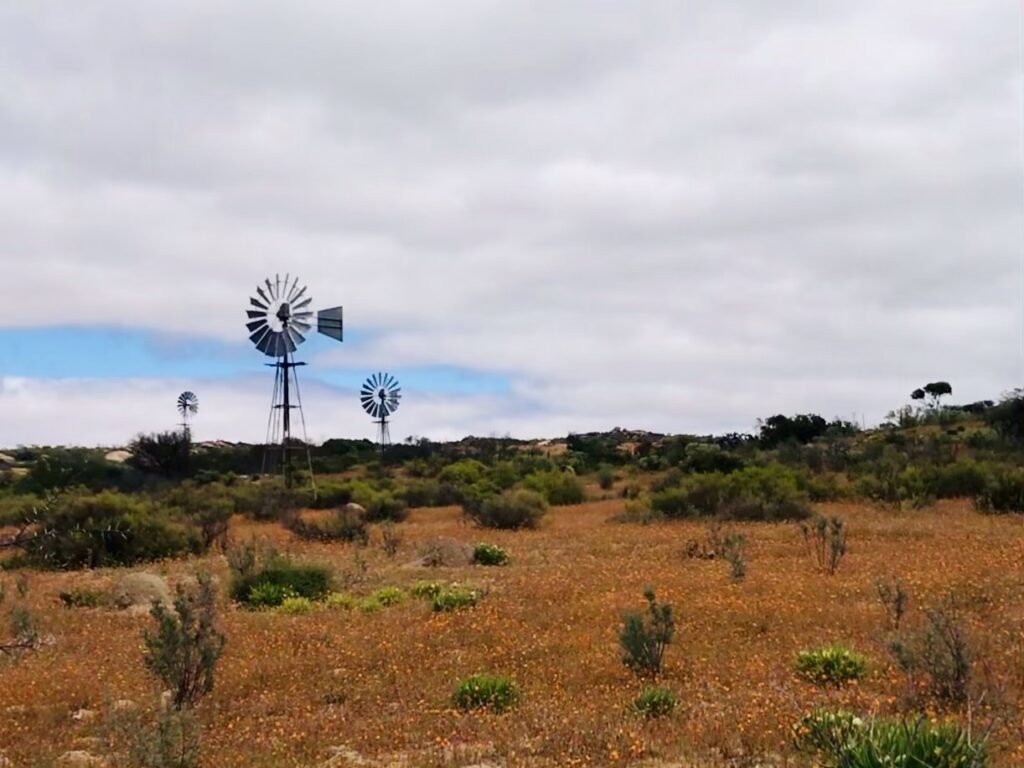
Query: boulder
(355, 509)
(140, 590)
(118, 457)
(444, 552)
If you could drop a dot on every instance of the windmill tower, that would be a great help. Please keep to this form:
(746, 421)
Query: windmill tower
(279, 315)
(380, 395)
(188, 406)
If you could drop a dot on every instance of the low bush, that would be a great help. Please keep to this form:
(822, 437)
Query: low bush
(557, 488)
(734, 552)
(509, 510)
(340, 601)
(184, 650)
(825, 538)
(279, 579)
(833, 665)
(605, 477)
(388, 596)
(497, 693)
(426, 590)
(842, 740)
(296, 606)
(384, 506)
(655, 701)
(420, 493)
(489, 554)
(454, 598)
(109, 529)
(645, 636)
(1003, 492)
(769, 493)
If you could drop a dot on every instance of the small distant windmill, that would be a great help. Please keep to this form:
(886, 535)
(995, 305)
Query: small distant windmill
(279, 315)
(188, 406)
(380, 395)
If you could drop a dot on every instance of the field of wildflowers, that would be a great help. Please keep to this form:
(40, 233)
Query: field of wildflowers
(337, 686)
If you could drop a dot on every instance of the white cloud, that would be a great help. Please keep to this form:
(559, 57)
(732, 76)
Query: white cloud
(654, 214)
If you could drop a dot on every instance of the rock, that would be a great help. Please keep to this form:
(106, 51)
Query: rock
(118, 457)
(450, 553)
(140, 590)
(355, 509)
(6, 461)
(85, 715)
(80, 759)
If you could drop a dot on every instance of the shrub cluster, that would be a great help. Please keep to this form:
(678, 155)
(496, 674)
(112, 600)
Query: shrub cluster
(833, 665)
(497, 693)
(557, 488)
(842, 740)
(768, 493)
(509, 510)
(269, 581)
(655, 701)
(489, 554)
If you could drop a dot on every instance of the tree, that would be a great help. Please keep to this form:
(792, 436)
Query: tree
(933, 392)
(801, 428)
(164, 453)
(1007, 418)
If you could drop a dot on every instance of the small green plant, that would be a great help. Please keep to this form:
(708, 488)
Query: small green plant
(455, 598)
(296, 606)
(833, 665)
(826, 541)
(605, 477)
(894, 599)
(426, 590)
(388, 596)
(497, 693)
(268, 595)
(655, 701)
(489, 554)
(184, 650)
(340, 601)
(20, 633)
(644, 637)
(734, 552)
(370, 604)
(80, 597)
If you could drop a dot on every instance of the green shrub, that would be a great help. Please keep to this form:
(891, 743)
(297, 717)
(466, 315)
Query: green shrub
(106, 529)
(644, 637)
(384, 506)
(427, 590)
(296, 606)
(557, 488)
(420, 493)
(769, 493)
(454, 598)
(340, 601)
(80, 597)
(388, 596)
(1003, 492)
(605, 477)
(489, 554)
(734, 552)
(497, 693)
(279, 579)
(842, 740)
(184, 650)
(655, 701)
(833, 665)
(510, 510)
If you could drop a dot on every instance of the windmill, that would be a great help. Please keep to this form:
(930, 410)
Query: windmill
(279, 315)
(380, 395)
(188, 406)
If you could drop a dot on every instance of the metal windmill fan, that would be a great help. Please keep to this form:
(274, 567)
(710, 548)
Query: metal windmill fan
(188, 406)
(380, 395)
(279, 317)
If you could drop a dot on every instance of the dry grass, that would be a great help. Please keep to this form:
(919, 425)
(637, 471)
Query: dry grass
(291, 688)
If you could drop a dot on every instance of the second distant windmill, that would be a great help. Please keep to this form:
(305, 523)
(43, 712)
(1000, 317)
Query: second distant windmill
(380, 395)
(188, 406)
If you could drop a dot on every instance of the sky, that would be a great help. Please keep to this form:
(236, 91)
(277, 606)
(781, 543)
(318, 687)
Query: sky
(542, 217)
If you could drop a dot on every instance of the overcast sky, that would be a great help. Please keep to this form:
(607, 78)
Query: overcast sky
(543, 216)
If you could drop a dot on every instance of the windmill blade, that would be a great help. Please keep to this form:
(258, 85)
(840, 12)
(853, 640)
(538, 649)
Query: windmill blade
(255, 313)
(267, 300)
(255, 324)
(298, 295)
(260, 334)
(266, 343)
(302, 326)
(295, 337)
(256, 303)
(270, 288)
